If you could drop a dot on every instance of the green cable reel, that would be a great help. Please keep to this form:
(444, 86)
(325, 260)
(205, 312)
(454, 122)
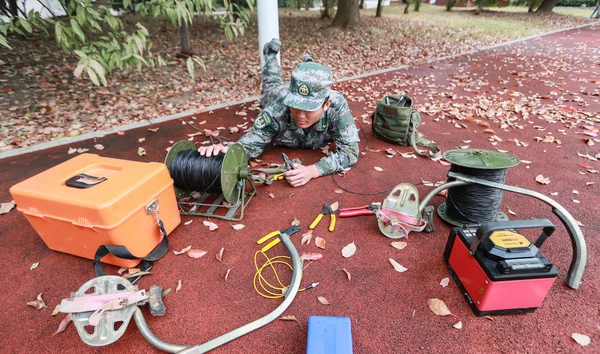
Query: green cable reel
(234, 175)
(477, 159)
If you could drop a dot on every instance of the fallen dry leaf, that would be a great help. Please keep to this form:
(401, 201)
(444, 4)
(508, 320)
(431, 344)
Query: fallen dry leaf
(120, 132)
(307, 237)
(378, 169)
(400, 245)
(397, 266)
(63, 324)
(178, 286)
(38, 304)
(34, 265)
(347, 274)
(219, 255)
(349, 250)
(133, 270)
(581, 339)
(323, 300)
(290, 318)
(310, 256)
(194, 253)
(334, 206)
(542, 180)
(489, 318)
(272, 195)
(211, 225)
(238, 226)
(188, 222)
(320, 242)
(185, 250)
(458, 325)
(141, 151)
(227, 274)
(6, 207)
(339, 191)
(296, 222)
(511, 212)
(99, 147)
(438, 307)
(138, 274)
(444, 282)
(154, 130)
(141, 140)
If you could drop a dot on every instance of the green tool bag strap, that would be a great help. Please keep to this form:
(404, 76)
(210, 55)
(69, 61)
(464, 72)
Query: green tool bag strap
(416, 139)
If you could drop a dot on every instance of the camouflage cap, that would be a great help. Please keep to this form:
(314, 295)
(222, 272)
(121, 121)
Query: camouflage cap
(309, 87)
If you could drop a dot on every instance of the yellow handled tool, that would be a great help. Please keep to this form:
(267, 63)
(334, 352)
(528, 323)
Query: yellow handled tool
(289, 231)
(326, 210)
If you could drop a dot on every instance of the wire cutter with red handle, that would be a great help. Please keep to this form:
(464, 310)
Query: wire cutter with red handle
(369, 209)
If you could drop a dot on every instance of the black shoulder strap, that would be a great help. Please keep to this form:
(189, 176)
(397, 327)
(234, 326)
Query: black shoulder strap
(122, 252)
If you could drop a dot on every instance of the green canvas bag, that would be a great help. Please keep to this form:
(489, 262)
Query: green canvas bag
(395, 120)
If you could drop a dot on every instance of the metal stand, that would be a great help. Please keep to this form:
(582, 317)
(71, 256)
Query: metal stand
(243, 198)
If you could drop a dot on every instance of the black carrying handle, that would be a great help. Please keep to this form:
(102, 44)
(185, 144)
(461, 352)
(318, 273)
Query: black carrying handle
(75, 183)
(484, 231)
(122, 252)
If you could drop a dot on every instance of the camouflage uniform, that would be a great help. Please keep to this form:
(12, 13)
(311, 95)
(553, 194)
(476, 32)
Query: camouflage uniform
(308, 89)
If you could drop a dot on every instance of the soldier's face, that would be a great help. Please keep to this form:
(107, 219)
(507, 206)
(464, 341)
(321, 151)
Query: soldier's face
(305, 119)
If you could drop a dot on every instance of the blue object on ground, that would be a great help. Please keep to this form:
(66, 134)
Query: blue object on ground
(329, 335)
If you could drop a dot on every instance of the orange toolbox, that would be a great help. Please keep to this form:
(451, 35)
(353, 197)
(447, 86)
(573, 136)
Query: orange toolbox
(89, 201)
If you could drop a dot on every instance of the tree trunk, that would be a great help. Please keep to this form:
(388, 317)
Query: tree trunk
(186, 47)
(379, 8)
(362, 4)
(347, 15)
(531, 6)
(13, 7)
(546, 6)
(299, 4)
(450, 4)
(325, 13)
(406, 7)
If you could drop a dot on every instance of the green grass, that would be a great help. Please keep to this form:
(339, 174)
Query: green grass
(574, 11)
(508, 22)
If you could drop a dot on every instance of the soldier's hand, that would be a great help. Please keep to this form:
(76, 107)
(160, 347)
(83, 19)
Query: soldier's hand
(212, 150)
(301, 174)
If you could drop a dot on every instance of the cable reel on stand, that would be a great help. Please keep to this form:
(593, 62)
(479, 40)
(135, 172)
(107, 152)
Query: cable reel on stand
(234, 177)
(476, 204)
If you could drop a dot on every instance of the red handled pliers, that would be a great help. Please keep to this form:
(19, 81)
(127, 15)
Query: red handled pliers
(369, 209)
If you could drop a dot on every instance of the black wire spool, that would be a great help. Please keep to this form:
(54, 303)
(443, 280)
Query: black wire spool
(193, 172)
(475, 203)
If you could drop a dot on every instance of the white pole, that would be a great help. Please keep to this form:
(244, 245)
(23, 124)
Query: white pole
(268, 24)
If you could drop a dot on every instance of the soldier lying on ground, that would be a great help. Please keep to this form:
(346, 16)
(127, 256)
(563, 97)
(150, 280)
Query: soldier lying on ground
(305, 113)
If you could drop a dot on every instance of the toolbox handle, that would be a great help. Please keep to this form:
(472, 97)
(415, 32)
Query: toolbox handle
(83, 181)
(484, 231)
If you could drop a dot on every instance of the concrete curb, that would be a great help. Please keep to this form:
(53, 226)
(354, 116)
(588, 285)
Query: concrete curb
(101, 133)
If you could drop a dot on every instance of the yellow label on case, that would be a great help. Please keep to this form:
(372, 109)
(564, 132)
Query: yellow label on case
(509, 239)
